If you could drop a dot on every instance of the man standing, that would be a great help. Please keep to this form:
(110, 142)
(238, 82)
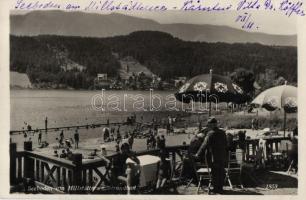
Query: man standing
(39, 137)
(62, 137)
(216, 145)
(169, 124)
(76, 139)
(131, 140)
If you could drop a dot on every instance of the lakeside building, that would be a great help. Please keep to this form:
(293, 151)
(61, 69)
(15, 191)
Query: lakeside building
(101, 81)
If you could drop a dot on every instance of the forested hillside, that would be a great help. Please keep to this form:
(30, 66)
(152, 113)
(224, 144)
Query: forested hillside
(46, 58)
(170, 57)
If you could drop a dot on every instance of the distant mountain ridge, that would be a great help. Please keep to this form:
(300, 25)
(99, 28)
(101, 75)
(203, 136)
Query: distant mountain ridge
(98, 25)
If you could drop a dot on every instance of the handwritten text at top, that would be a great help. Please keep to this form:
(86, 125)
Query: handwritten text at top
(243, 7)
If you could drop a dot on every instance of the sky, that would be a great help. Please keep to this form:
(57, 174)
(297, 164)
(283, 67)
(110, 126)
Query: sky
(277, 23)
(273, 24)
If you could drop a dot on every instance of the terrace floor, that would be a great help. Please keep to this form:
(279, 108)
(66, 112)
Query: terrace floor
(262, 183)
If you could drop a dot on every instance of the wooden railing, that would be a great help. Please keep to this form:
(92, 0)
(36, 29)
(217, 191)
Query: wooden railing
(65, 176)
(272, 145)
(61, 175)
(54, 174)
(84, 126)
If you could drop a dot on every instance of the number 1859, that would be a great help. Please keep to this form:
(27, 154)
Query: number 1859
(272, 186)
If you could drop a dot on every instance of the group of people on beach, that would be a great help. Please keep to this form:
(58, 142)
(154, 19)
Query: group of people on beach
(111, 134)
(156, 142)
(66, 145)
(68, 142)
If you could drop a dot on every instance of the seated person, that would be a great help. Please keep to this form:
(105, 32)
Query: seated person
(149, 143)
(117, 146)
(196, 143)
(230, 142)
(68, 143)
(43, 144)
(241, 139)
(189, 170)
(126, 135)
(60, 143)
(25, 135)
(106, 135)
(158, 142)
(293, 153)
(94, 153)
(153, 141)
(128, 120)
(111, 138)
(131, 140)
(55, 153)
(63, 154)
(162, 142)
(164, 169)
(119, 137)
(69, 154)
(120, 166)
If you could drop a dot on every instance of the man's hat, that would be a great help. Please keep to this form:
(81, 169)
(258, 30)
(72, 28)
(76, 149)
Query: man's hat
(212, 120)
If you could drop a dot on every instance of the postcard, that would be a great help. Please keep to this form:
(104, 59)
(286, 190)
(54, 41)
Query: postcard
(152, 97)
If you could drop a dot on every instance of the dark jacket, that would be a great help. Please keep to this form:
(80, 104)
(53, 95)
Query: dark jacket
(195, 144)
(216, 144)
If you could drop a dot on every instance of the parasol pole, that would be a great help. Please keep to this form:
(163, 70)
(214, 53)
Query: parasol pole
(209, 111)
(285, 117)
(46, 129)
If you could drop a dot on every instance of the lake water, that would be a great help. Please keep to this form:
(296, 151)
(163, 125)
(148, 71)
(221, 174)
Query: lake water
(71, 108)
(64, 107)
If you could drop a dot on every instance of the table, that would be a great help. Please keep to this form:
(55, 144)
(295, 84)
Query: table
(148, 169)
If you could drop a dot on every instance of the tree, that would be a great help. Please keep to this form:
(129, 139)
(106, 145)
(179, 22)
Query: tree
(245, 78)
(267, 79)
(280, 81)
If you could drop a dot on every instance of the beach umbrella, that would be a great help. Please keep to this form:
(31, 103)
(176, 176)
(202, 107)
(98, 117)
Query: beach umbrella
(279, 97)
(211, 87)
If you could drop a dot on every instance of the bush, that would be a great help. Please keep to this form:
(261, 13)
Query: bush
(245, 121)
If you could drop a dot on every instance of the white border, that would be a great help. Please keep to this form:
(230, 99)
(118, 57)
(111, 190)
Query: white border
(4, 120)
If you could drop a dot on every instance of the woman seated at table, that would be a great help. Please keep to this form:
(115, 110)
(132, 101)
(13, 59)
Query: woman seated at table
(120, 166)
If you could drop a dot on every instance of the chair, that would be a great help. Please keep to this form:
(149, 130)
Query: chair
(234, 168)
(278, 160)
(203, 172)
(187, 165)
(197, 171)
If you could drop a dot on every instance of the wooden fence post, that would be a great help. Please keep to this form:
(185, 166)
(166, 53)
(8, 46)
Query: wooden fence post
(77, 173)
(28, 162)
(13, 168)
(28, 167)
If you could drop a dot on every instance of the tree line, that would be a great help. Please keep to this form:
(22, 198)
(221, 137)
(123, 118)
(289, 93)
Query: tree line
(45, 58)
